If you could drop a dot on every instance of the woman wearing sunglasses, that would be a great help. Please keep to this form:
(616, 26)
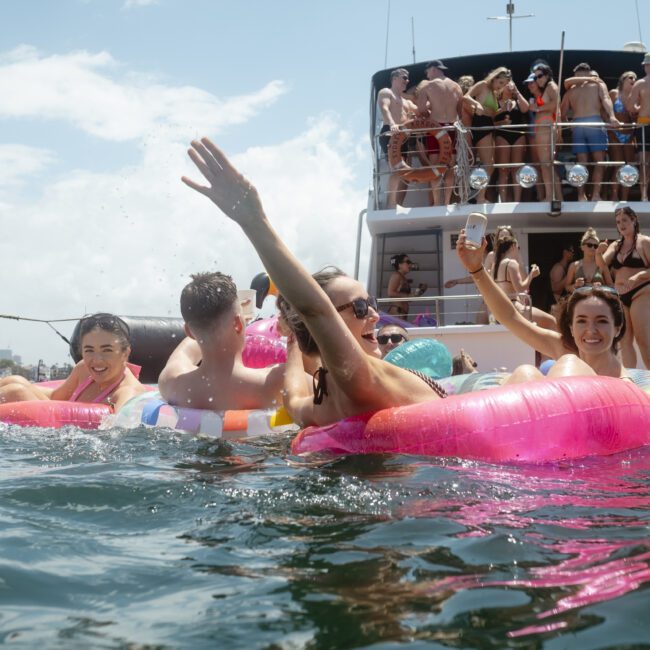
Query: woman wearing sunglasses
(591, 323)
(101, 377)
(338, 313)
(591, 269)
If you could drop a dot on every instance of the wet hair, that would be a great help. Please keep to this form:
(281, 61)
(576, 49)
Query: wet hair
(590, 233)
(567, 309)
(398, 72)
(623, 77)
(465, 82)
(305, 341)
(501, 248)
(207, 298)
(633, 215)
(108, 323)
(496, 73)
(396, 260)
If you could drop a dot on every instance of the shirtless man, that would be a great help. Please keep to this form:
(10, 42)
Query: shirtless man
(395, 111)
(586, 100)
(557, 275)
(215, 337)
(638, 105)
(444, 99)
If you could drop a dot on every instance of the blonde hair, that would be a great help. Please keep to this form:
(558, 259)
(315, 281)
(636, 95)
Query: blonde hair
(496, 73)
(465, 82)
(590, 233)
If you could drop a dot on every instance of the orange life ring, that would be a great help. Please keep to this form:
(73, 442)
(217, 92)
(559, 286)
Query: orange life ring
(421, 174)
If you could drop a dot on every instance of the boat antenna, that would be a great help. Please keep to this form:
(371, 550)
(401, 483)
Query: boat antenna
(510, 10)
(387, 28)
(413, 37)
(638, 19)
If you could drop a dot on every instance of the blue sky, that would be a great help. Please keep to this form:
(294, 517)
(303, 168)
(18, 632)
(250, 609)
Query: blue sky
(100, 98)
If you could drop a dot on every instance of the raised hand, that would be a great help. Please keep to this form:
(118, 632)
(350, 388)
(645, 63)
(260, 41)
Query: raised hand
(228, 189)
(472, 258)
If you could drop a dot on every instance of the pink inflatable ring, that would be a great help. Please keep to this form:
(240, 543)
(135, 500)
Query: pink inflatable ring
(535, 422)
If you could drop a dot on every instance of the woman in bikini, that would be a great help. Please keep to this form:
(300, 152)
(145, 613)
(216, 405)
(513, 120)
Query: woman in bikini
(510, 143)
(621, 142)
(544, 107)
(591, 269)
(399, 286)
(481, 100)
(101, 377)
(340, 316)
(629, 260)
(591, 324)
(507, 274)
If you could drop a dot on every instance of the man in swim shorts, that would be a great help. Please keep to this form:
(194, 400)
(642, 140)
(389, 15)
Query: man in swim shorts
(638, 105)
(390, 337)
(443, 98)
(206, 370)
(586, 100)
(395, 111)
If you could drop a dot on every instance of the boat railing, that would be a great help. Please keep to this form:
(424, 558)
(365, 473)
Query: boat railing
(443, 311)
(518, 174)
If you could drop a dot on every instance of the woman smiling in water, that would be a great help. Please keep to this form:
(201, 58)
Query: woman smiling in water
(102, 375)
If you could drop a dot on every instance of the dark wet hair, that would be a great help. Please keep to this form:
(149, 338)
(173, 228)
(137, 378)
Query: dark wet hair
(207, 298)
(108, 323)
(501, 248)
(633, 215)
(568, 306)
(546, 69)
(304, 338)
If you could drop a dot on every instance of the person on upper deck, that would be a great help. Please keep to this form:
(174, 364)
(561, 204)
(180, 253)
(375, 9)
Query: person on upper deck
(586, 98)
(531, 84)
(638, 105)
(621, 141)
(629, 260)
(591, 269)
(101, 377)
(215, 339)
(395, 111)
(443, 98)
(481, 99)
(591, 324)
(543, 106)
(335, 310)
(510, 143)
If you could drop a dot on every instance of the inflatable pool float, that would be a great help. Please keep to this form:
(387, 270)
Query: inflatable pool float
(535, 422)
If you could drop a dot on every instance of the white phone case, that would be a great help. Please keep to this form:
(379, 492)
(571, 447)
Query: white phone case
(475, 229)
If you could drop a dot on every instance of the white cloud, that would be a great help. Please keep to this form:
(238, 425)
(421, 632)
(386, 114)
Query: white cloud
(18, 161)
(127, 241)
(92, 92)
(129, 4)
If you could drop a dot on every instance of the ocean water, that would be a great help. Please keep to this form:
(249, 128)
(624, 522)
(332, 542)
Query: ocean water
(152, 539)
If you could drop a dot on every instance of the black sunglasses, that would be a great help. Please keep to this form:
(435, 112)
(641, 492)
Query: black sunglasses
(588, 245)
(382, 339)
(539, 76)
(360, 306)
(105, 322)
(404, 78)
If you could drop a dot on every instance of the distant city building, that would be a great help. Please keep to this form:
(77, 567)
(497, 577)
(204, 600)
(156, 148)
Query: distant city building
(6, 354)
(16, 358)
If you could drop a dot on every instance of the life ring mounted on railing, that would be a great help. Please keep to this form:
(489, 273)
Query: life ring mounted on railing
(426, 126)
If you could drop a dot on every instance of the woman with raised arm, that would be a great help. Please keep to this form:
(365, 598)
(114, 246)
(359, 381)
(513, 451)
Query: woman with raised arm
(591, 324)
(340, 316)
(591, 269)
(629, 260)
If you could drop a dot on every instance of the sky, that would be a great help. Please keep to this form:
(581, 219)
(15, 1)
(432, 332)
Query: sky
(100, 99)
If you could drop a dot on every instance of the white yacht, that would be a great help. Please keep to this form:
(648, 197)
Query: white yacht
(427, 233)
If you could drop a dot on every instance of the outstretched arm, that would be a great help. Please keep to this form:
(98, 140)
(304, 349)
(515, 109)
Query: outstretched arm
(546, 341)
(238, 199)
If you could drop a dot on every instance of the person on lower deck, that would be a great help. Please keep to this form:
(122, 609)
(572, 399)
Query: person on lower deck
(629, 261)
(638, 105)
(337, 313)
(587, 98)
(390, 337)
(591, 325)
(591, 269)
(400, 286)
(215, 339)
(557, 275)
(101, 377)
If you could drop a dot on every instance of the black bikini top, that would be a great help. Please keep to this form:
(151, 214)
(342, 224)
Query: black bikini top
(631, 261)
